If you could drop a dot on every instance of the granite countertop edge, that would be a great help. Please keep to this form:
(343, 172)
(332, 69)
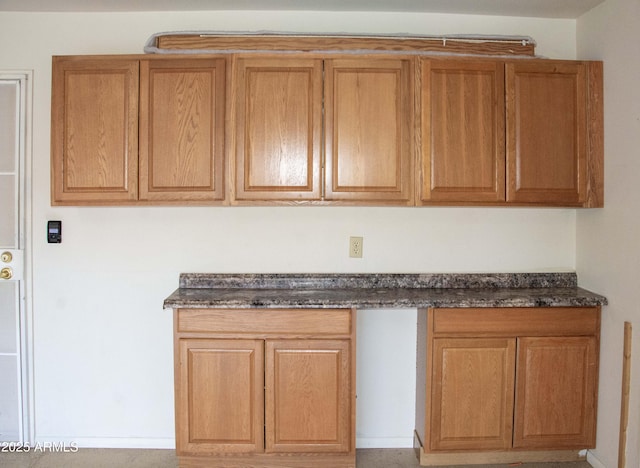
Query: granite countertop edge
(380, 291)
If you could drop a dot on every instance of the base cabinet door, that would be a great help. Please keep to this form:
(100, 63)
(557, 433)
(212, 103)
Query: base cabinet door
(556, 392)
(307, 403)
(472, 393)
(219, 396)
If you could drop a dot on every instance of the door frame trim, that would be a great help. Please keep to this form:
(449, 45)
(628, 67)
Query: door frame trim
(25, 243)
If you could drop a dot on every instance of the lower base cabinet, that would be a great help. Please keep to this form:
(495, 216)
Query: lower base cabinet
(276, 387)
(265, 388)
(504, 382)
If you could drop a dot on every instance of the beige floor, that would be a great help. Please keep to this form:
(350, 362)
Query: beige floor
(112, 458)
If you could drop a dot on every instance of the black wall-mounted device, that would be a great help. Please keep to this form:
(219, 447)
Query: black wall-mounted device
(54, 232)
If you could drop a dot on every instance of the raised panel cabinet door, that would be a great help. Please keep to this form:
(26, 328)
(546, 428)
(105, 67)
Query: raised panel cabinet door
(556, 396)
(94, 131)
(463, 150)
(219, 396)
(546, 132)
(182, 128)
(308, 396)
(279, 129)
(472, 393)
(368, 130)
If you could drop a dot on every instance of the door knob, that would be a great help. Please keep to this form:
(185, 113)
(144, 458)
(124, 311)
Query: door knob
(6, 257)
(6, 273)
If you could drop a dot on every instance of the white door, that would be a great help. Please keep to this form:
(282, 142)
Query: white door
(14, 425)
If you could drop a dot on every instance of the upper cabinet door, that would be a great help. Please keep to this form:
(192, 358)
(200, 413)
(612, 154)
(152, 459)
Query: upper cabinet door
(278, 129)
(463, 151)
(182, 124)
(546, 132)
(94, 131)
(368, 130)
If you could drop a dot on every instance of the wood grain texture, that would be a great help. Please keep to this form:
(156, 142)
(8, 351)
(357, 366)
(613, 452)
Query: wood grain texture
(94, 131)
(515, 457)
(220, 406)
(265, 322)
(305, 379)
(472, 402)
(544, 321)
(373, 128)
(274, 42)
(462, 115)
(368, 130)
(595, 128)
(271, 460)
(278, 129)
(555, 361)
(556, 393)
(307, 396)
(625, 394)
(423, 378)
(182, 124)
(546, 132)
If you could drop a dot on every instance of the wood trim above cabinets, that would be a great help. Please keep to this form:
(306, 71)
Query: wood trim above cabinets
(273, 42)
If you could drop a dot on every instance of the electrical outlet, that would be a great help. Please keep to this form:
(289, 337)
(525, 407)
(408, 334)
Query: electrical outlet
(355, 247)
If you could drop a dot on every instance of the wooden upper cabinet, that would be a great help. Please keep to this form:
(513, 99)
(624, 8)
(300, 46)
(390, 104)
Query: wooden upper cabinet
(368, 130)
(133, 130)
(462, 119)
(94, 131)
(326, 128)
(278, 129)
(182, 109)
(547, 149)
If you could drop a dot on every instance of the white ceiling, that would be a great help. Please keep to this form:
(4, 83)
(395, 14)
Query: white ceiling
(534, 8)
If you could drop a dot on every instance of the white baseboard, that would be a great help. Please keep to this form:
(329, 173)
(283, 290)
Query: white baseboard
(110, 442)
(594, 461)
(384, 442)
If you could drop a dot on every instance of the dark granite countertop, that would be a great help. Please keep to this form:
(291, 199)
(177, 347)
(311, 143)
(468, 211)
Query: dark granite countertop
(381, 291)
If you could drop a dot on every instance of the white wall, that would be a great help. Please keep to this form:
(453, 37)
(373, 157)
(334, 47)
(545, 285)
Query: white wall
(608, 247)
(103, 357)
